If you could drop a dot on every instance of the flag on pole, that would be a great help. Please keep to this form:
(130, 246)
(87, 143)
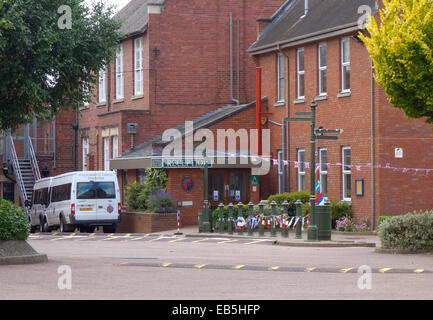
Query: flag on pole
(320, 199)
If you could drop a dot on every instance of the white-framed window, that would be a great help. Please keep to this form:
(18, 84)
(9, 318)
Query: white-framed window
(106, 146)
(323, 68)
(301, 170)
(281, 81)
(280, 171)
(347, 173)
(102, 86)
(115, 143)
(323, 160)
(300, 73)
(138, 66)
(119, 72)
(85, 152)
(345, 65)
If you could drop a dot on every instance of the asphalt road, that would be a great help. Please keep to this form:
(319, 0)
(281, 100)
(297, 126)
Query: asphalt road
(123, 266)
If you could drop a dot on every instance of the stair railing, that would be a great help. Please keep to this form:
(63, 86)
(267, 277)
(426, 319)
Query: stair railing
(33, 161)
(17, 171)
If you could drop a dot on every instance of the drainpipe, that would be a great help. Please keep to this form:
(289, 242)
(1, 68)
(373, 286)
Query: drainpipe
(373, 160)
(259, 109)
(231, 60)
(285, 129)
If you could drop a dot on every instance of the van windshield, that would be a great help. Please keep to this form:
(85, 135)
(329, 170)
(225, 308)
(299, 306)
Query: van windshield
(95, 190)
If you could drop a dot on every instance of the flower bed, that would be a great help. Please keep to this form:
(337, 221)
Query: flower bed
(145, 222)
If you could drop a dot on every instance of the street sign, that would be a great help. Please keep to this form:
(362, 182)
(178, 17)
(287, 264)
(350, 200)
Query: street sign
(255, 181)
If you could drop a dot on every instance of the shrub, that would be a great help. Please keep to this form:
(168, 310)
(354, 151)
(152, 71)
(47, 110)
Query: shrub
(349, 225)
(162, 202)
(413, 231)
(381, 219)
(291, 198)
(137, 194)
(340, 210)
(14, 224)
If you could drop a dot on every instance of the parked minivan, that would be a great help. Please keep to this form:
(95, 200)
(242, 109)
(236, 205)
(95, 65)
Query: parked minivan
(84, 200)
(41, 193)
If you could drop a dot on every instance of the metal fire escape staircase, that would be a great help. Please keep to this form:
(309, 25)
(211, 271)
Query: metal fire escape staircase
(26, 170)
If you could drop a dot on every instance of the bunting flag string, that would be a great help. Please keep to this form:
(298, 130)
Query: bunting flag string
(357, 167)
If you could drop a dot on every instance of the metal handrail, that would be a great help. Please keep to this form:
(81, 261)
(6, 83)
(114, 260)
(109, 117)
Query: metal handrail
(33, 160)
(17, 170)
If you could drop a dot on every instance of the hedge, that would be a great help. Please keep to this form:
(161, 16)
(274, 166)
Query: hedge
(412, 232)
(14, 224)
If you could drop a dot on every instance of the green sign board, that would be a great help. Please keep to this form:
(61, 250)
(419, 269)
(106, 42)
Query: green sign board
(180, 163)
(255, 181)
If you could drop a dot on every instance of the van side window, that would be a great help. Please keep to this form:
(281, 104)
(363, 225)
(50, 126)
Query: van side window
(61, 193)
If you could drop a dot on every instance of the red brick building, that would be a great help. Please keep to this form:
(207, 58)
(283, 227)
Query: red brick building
(178, 60)
(313, 52)
(52, 143)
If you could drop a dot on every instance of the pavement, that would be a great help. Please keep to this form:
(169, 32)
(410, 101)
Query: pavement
(338, 239)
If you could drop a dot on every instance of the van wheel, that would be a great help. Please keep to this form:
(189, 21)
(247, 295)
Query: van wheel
(64, 227)
(109, 229)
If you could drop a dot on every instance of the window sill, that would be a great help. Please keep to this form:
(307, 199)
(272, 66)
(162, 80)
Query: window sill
(344, 94)
(299, 101)
(140, 96)
(280, 104)
(321, 97)
(118, 101)
(101, 104)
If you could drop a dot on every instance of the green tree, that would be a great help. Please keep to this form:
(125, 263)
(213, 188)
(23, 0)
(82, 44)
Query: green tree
(401, 47)
(46, 67)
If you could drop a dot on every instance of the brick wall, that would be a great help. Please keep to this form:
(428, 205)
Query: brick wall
(395, 192)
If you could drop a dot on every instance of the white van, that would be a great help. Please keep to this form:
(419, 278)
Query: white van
(40, 201)
(84, 200)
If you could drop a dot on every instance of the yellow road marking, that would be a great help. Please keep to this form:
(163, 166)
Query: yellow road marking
(346, 270)
(201, 240)
(199, 266)
(139, 238)
(86, 238)
(274, 268)
(310, 269)
(156, 239)
(383, 270)
(240, 266)
(55, 233)
(166, 264)
(253, 242)
(176, 240)
(108, 238)
(228, 241)
(419, 271)
(128, 235)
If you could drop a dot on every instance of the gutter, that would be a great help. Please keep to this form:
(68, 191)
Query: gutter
(315, 36)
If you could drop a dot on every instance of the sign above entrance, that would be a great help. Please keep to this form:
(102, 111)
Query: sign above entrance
(180, 163)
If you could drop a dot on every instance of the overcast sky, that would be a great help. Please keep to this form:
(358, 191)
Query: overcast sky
(118, 3)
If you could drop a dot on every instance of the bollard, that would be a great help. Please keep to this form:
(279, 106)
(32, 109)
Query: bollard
(298, 205)
(230, 219)
(274, 213)
(261, 214)
(240, 228)
(324, 218)
(285, 210)
(206, 223)
(178, 223)
(221, 218)
(200, 221)
(250, 214)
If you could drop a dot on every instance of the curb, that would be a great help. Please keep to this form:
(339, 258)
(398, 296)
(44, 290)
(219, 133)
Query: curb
(30, 259)
(402, 251)
(301, 243)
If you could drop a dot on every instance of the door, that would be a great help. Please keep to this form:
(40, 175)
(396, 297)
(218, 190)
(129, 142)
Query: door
(85, 201)
(106, 201)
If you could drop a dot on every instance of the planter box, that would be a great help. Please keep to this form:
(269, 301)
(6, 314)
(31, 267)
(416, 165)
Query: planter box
(142, 222)
(19, 252)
